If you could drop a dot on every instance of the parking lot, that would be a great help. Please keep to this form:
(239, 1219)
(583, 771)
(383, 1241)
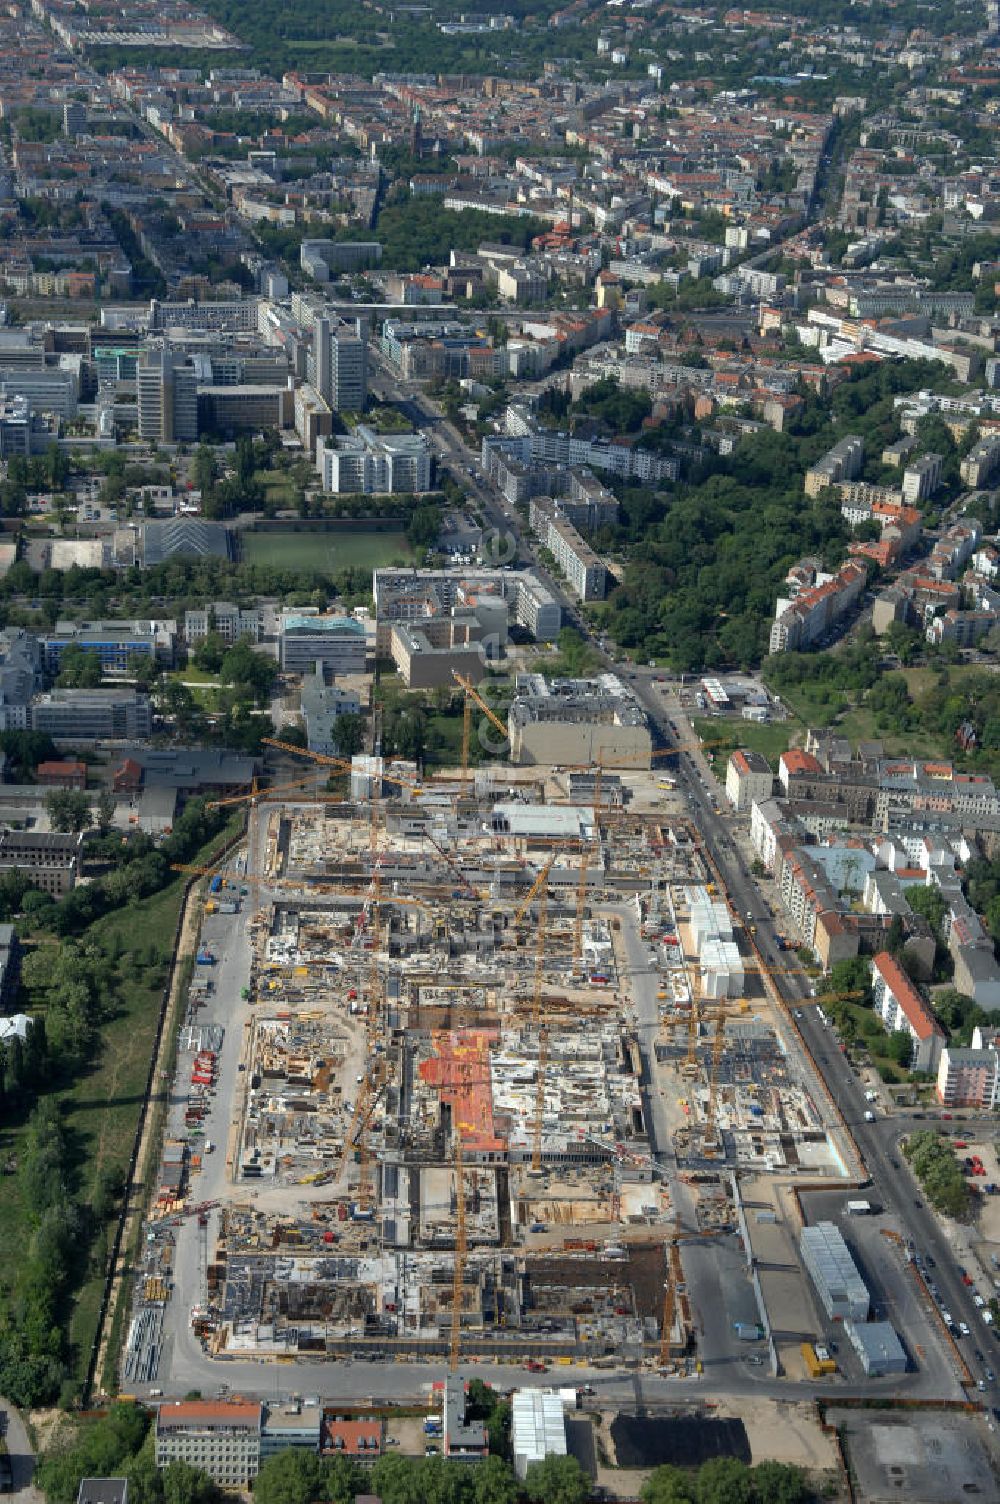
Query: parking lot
(879, 1251)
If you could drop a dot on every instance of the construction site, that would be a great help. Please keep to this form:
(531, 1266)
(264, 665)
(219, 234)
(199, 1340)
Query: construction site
(497, 1049)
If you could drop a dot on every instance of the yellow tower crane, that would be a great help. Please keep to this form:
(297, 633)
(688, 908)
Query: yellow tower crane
(473, 697)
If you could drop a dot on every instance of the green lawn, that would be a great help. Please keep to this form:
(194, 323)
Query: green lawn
(101, 1107)
(819, 706)
(722, 736)
(320, 549)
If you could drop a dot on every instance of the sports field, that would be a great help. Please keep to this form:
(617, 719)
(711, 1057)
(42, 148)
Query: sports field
(326, 551)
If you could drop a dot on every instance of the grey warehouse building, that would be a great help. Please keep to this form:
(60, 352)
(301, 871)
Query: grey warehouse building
(843, 1293)
(878, 1347)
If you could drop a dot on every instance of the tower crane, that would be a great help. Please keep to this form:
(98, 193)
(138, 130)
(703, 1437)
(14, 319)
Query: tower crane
(458, 1272)
(473, 697)
(541, 1029)
(344, 764)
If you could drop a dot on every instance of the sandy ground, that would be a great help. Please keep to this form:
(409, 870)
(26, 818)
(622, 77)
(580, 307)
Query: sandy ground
(783, 1431)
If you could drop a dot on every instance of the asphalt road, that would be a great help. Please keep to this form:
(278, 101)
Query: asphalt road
(22, 1456)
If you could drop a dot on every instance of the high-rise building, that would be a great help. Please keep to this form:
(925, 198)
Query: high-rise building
(348, 369)
(322, 375)
(167, 396)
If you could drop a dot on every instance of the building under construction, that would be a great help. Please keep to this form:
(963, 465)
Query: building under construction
(442, 1140)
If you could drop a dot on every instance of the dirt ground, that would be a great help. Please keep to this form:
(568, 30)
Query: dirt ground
(785, 1431)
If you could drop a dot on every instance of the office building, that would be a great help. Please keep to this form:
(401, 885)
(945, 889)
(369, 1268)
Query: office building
(287, 1426)
(220, 1436)
(577, 721)
(367, 463)
(415, 594)
(348, 369)
(167, 397)
(114, 643)
(306, 639)
(322, 369)
(842, 1292)
(878, 1347)
(93, 715)
(246, 408)
(429, 656)
(538, 1427)
(50, 390)
(15, 425)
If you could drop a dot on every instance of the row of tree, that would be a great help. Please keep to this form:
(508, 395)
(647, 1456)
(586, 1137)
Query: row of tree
(936, 1166)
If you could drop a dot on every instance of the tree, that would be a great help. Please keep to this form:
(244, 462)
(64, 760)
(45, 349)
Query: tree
(294, 1477)
(667, 1485)
(106, 806)
(79, 668)
(397, 1481)
(68, 809)
(209, 653)
(204, 469)
(494, 1483)
(349, 734)
(557, 1480)
(184, 1484)
(724, 1480)
(780, 1483)
(901, 1047)
(248, 670)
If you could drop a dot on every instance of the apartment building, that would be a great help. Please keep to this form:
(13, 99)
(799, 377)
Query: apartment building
(969, 1078)
(900, 1007)
(921, 478)
(577, 561)
(981, 463)
(321, 257)
(222, 1437)
(749, 780)
(842, 462)
(809, 614)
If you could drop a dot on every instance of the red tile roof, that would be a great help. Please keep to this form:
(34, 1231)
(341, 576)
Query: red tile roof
(915, 1010)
